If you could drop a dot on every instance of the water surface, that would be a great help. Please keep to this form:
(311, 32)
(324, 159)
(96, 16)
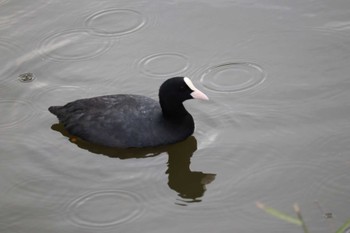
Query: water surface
(276, 129)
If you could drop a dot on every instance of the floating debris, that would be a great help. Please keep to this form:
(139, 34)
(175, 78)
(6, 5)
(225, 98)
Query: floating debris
(26, 77)
(328, 215)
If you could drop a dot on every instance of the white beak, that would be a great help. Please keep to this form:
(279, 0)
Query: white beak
(196, 94)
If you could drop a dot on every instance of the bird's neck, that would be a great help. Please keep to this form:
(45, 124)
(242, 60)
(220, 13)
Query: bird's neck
(173, 110)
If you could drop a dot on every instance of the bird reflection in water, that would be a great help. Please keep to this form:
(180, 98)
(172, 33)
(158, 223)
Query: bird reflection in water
(190, 185)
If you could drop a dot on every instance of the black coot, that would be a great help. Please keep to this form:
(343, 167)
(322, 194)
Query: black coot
(132, 120)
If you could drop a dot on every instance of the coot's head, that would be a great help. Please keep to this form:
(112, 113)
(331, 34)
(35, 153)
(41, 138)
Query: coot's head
(176, 90)
(179, 89)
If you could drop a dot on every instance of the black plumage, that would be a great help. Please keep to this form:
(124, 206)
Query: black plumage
(132, 120)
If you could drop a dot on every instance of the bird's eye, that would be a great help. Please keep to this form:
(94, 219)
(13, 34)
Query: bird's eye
(182, 88)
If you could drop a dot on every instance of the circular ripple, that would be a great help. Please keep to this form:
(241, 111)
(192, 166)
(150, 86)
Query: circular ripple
(74, 45)
(333, 193)
(336, 186)
(34, 196)
(14, 112)
(281, 184)
(115, 22)
(105, 208)
(163, 64)
(233, 77)
(9, 53)
(37, 190)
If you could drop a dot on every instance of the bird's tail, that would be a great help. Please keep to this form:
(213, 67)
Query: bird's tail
(55, 110)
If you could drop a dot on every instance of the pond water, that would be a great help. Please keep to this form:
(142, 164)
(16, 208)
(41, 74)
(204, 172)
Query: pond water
(276, 129)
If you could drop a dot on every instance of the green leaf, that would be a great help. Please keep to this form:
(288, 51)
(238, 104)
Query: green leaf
(279, 215)
(344, 227)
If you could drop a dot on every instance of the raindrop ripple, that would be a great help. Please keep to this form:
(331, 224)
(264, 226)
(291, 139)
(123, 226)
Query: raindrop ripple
(105, 208)
(163, 64)
(73, 45)
(232, 77)
(115, 22)
(17, 111)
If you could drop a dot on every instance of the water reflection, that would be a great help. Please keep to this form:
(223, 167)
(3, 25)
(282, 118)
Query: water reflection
(190, 185)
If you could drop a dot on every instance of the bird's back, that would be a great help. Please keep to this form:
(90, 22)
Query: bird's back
(120, 121)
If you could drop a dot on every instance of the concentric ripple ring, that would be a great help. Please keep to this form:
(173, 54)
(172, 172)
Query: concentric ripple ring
(17, 111)
(163, 64)
(74, 45)
(105, 208)
(232, 77)
(115, 22)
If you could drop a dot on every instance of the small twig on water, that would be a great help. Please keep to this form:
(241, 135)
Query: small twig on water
(297, 211)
